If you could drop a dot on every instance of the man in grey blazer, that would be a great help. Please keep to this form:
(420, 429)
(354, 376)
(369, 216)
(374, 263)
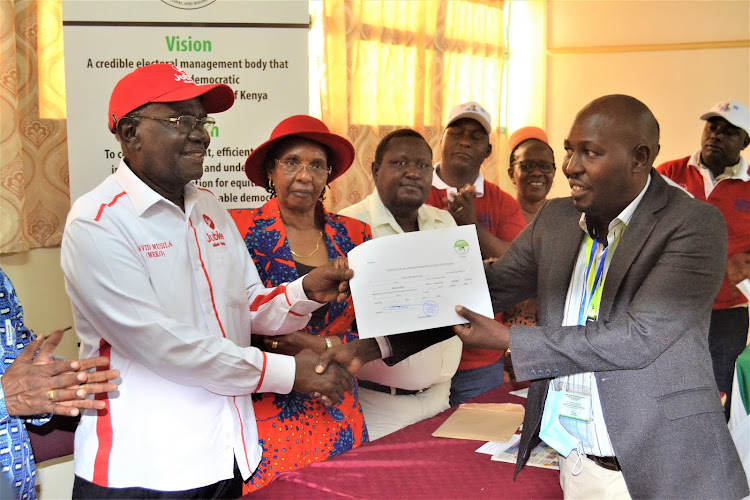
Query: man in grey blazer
(625, 272)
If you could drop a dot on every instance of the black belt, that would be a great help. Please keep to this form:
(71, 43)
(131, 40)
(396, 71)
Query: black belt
(609, 463)
(394, 391)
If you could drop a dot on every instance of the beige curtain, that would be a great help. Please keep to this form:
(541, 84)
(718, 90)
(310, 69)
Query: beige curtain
(402, 63)
(34, 190)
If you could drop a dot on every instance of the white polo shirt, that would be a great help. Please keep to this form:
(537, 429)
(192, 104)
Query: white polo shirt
(171, 297)
(451, 191)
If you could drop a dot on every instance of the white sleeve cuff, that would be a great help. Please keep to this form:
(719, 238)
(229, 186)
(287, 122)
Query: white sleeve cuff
(298, 301)
(278, 375)
(385, 347)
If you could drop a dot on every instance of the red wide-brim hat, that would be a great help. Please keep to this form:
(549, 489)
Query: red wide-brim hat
(306, 127)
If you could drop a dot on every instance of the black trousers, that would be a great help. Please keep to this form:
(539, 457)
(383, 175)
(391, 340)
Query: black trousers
(727, 338)
(226, 489)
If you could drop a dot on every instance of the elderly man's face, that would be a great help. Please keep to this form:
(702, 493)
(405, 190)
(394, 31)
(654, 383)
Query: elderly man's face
(404, 177)
(465, 145)
(599, 165)
(168, 159)
(721, 143)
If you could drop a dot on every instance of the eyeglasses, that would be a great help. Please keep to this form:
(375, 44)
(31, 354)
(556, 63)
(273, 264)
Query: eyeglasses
(293, 166)
(529, 166)
(403, 165)
(185, 123)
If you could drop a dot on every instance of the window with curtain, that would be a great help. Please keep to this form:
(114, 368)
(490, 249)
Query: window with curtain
(34, 191)
(383, 65)
(399, 63)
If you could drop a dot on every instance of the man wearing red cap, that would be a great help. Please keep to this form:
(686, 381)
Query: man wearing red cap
(459, 187)
(161, 284)
(719, 175)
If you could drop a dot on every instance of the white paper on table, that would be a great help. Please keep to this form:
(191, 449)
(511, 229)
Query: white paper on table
(495, 447)
(521, 393)
(541, 456)
(744, 287)
(413, 281)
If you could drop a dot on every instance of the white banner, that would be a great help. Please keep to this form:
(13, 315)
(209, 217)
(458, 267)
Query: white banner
(259, 48)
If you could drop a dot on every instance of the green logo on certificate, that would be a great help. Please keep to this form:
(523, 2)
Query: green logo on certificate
(461, 247)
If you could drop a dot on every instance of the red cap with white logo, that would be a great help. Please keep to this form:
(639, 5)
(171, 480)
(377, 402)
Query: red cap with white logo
(163, 83)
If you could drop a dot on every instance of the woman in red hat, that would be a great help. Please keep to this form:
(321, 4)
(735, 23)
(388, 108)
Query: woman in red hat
(287, 237)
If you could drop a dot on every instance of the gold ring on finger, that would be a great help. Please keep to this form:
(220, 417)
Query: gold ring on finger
(459, 209)
(274, 344)
(51, 394)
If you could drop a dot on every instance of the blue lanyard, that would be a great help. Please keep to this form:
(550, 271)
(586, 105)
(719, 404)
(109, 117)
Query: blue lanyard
(589, 296)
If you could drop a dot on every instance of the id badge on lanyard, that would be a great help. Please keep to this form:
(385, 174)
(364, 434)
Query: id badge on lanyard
(576, 402)
(576, 405)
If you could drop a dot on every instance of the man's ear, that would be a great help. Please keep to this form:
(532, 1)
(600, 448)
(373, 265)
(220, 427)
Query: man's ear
(510, 174)
(746, 141)
(489, 151)
(126, 130)
(375, 170)
(641, 156)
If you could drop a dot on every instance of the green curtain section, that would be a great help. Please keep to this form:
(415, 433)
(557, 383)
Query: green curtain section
(743, 378)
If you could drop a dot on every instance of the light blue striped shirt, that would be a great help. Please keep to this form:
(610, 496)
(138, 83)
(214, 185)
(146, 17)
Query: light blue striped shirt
(592, 434)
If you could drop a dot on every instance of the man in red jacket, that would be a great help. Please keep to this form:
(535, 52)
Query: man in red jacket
(719, 175)
(459, 187)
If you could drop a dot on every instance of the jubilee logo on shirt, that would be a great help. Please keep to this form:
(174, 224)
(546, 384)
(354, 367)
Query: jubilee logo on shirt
(213, 237)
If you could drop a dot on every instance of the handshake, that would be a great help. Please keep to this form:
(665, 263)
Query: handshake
(328, 375)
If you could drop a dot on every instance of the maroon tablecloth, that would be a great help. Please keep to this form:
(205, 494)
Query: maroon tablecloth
(411, 463)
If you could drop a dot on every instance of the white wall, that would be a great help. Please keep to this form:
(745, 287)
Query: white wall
(678, 85)
(39, 282)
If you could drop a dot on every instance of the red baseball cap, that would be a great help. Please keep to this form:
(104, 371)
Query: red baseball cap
(524, 134)
(163, 83)
(307, 127)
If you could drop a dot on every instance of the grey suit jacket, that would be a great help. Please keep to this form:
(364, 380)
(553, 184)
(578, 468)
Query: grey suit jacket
(649, 348)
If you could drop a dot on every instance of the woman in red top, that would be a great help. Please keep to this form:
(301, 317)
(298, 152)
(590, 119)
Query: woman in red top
(287, 237)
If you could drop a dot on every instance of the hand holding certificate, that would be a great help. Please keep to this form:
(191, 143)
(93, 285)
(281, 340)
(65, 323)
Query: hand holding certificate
(413, 281)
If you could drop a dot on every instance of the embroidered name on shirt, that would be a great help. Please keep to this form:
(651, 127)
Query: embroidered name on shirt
(155, 250)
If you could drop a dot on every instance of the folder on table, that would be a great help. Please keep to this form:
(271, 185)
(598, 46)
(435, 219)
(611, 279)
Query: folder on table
(482, 422)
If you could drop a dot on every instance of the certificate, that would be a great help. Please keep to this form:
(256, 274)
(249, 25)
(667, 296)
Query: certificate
(413, 281)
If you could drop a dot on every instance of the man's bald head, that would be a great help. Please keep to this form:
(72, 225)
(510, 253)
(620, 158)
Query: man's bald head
(630, 116)
(610, 150)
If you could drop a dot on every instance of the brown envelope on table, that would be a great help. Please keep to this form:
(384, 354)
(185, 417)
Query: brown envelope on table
(482, 422)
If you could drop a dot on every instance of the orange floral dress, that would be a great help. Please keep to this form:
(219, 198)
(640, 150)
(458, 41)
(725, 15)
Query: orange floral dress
(294, 429)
